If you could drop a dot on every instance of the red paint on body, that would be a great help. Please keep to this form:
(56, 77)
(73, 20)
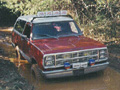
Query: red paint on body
(66, 44)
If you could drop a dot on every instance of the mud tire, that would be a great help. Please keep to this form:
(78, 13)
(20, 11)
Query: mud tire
(35, 72)
(18, 54)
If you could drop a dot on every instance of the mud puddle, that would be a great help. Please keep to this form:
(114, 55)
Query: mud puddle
(107, 80)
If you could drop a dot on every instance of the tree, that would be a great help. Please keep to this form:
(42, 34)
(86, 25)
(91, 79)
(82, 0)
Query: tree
(27, 7)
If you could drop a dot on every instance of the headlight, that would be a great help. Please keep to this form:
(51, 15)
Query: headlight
(49, 57)
(49, 63)
(102, 51)
(49, 60)
(103, 54)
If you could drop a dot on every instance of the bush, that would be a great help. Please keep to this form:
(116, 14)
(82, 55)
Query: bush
(7, 18)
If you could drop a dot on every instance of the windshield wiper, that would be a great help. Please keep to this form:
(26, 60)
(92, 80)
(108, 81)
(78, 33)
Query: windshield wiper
(46, 35)
(77, 35)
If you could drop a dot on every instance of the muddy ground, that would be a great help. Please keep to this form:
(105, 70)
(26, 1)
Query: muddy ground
(10, 79)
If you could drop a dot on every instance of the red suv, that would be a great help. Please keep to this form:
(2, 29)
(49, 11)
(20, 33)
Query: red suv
(56, 46)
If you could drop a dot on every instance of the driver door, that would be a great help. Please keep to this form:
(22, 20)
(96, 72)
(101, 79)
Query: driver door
(26, 39)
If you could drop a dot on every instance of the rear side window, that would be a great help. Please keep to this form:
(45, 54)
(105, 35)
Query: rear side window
(20, 25)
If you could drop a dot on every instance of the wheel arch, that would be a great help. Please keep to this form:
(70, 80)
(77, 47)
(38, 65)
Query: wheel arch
(33, 61)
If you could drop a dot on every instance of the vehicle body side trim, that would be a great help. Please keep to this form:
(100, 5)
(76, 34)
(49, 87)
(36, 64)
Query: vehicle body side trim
(25, 56)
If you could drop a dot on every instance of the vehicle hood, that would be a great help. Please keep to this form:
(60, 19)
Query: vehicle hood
(66, 44)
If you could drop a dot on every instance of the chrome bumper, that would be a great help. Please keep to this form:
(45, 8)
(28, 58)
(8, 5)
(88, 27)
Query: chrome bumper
(71, 72)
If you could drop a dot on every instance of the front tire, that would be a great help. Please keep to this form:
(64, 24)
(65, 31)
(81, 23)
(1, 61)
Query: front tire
(35, 72)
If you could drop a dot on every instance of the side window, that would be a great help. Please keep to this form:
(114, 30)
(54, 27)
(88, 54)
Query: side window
(27, 30)
(20, 26)
(73, 27)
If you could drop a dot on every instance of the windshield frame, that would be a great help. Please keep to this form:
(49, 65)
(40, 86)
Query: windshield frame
(58, 36)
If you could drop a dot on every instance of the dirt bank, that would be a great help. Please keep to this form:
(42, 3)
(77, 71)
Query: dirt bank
(114, 56)
(10, 79)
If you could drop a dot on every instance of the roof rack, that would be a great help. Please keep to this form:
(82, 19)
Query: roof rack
(51, 14)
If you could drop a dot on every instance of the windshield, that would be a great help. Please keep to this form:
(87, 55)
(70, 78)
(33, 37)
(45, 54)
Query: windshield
(55, 30)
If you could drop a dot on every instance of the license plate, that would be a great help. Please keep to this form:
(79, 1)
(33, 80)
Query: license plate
(80, 65)
(84, 64)
(76, 65)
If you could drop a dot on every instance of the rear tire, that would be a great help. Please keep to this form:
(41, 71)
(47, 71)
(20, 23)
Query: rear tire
(35, 72)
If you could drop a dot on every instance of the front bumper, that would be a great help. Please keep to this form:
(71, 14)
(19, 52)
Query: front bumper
(74, 72)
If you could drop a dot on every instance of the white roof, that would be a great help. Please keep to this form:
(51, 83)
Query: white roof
(45, 19)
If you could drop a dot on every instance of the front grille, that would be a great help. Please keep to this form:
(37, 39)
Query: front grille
(57, 60)
(75, 57)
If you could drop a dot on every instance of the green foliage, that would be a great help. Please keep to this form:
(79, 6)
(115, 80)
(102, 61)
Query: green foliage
(30, 7)
(27, 7)
(99, 18)
(104, 30)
